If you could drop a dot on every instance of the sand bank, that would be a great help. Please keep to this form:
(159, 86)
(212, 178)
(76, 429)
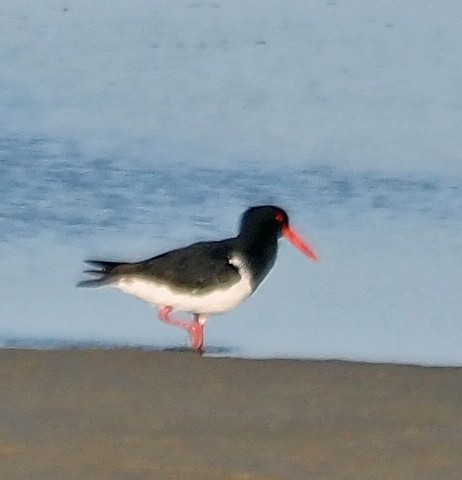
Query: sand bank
(130, 414)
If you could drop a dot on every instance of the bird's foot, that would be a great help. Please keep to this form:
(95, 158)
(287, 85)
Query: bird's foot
(195, 329)
(196, 336)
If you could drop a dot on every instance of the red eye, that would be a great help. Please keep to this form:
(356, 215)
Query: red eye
(279, 217)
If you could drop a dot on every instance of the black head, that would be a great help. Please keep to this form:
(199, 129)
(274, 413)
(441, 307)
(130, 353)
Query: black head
(262, 226)
(264, 221)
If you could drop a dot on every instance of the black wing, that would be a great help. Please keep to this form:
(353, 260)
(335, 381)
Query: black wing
(201, 266)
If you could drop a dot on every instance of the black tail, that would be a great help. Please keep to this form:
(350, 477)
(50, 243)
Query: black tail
(105, 272)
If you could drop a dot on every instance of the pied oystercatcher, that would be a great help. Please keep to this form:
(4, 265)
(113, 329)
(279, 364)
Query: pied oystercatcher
(206, 277)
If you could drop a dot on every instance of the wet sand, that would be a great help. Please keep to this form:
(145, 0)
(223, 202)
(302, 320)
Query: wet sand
(129, 415)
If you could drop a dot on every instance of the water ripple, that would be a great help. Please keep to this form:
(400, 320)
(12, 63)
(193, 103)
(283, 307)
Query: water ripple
(49, 187)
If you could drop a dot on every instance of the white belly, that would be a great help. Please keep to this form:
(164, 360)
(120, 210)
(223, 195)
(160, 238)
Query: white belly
(215, 301)
(218, 300)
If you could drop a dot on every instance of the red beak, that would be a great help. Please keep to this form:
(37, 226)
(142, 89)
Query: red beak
(298, 242)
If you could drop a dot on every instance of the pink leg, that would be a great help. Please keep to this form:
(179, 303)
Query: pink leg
(195, 329)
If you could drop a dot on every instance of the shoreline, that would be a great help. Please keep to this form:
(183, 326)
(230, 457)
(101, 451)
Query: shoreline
(213, 352)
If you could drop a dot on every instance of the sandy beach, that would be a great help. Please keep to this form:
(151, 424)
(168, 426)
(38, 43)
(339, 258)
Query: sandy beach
(131, 414)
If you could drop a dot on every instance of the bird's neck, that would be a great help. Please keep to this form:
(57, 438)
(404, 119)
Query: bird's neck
(260, 254)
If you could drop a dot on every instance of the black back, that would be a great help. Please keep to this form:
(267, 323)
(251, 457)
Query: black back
(201, 266)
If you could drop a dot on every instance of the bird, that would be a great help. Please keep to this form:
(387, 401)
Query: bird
(207, 277)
